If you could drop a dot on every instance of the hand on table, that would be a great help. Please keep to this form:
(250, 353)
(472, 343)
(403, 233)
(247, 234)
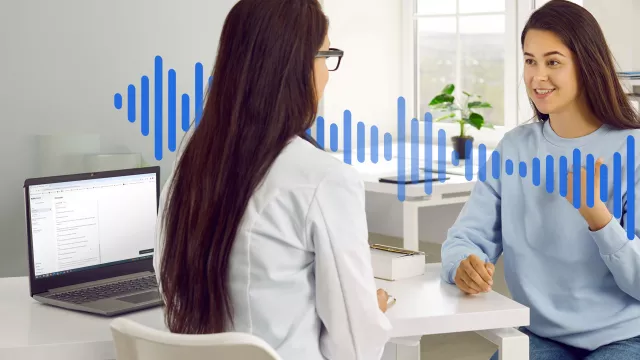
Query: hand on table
(474, 275)
(383, 298)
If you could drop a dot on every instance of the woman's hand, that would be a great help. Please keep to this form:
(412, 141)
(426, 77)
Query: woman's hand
(597, 216)
(383, 298)
(474, 275)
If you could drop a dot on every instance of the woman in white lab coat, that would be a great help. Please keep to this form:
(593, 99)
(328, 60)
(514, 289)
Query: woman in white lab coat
(260, 231)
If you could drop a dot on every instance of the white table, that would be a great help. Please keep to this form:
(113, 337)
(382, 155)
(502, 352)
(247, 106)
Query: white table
(455, 190)
(426, 306)
(30, 330)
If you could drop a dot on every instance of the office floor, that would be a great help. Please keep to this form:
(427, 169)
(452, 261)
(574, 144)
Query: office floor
(457, 346)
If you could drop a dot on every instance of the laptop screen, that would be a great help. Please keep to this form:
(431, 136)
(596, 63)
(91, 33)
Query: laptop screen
(84, 224)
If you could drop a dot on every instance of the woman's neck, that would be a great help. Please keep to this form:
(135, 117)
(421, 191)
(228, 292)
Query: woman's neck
(575, 121)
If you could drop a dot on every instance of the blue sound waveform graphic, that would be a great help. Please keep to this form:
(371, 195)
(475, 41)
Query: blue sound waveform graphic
(158, 105)
(429, 158)
(523, 169)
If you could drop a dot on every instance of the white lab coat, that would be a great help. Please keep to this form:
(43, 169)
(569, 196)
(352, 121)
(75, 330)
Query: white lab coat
(300, 267)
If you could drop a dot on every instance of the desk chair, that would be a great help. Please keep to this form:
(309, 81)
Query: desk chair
(134, 341)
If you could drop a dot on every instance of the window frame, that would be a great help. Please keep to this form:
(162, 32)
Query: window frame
(513, 89)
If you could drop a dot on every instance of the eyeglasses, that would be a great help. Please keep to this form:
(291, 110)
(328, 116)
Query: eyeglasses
(333, 58)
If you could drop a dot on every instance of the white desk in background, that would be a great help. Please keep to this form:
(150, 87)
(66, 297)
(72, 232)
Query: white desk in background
(425, 306)
(454, 190)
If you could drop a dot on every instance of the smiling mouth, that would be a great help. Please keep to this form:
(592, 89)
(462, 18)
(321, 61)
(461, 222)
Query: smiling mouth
(544, 91)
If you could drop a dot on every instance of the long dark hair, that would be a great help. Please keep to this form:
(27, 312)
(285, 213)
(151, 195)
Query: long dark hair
(581, 33)
(263, 95)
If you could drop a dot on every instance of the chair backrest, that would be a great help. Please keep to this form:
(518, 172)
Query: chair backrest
(134, 341)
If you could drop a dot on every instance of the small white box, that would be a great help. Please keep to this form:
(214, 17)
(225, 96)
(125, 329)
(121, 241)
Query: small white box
(392, 263)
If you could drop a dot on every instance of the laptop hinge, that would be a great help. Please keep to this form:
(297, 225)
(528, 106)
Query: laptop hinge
(99, 282)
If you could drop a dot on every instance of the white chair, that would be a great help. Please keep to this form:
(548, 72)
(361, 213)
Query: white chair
(134, 341)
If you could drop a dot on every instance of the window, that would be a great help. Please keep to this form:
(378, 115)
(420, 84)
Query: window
(471, 44)
(474, 44)
(462, 42)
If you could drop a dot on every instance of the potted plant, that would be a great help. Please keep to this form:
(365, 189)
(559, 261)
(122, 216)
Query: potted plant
(462, 114)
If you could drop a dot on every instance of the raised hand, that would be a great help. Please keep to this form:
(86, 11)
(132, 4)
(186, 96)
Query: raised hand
(597, 215)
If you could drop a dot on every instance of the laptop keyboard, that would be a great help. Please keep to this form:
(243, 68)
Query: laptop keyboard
(95, 293)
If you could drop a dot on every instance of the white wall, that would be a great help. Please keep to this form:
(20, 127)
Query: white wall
(617, 19)
(368, 82)
(62, 62)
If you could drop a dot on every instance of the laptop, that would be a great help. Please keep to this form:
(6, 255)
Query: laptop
(91, 240)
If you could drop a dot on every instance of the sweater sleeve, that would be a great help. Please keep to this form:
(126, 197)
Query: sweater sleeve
(619, 252)
(477, 230)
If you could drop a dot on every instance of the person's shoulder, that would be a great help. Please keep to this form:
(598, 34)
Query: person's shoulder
(622, 140)
(524, 130)
(625, 134)
(302, 164)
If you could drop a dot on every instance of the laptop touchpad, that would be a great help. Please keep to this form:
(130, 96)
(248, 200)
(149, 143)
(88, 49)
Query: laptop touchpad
(140, 298)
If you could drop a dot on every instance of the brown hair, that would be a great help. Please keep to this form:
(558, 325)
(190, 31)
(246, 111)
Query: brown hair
(581, 33)
(263, 95)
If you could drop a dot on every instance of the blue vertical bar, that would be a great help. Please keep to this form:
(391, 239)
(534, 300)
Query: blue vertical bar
(508, 167)
(360, 141)
(631, 191)
(617, 185)
(442, 155)
(590, 180)
(157, 131)
(117, 101)
(333, 137)
(562, 174)
(604, 183)
(374, 144)
(199, 74)
(401, 147)
(522, 169)
(171, 96)
(535, 172)
(415, 156)
(388, 146)
(320, 131)
(144, 106)
(496, 164)
(550, 178)
(482, 162)
(131, 103)
(455, 158)
(185, 112)
(347, 137)
(428, 149)
(577, 175)
(468, 163)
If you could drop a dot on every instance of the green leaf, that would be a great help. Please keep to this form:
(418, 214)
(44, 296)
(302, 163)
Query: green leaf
(441, 99)
(448, 89)
(479, 104)
(476, 120)
(449, 116)
(466, 93)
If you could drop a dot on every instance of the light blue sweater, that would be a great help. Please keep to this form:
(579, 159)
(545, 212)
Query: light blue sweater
(582, 287)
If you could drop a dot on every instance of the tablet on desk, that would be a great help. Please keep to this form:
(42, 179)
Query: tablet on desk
(422, 178)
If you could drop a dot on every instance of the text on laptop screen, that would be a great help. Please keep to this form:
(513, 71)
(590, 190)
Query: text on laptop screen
(89, 223)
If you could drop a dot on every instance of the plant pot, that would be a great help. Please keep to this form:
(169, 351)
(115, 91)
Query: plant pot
(460, 146)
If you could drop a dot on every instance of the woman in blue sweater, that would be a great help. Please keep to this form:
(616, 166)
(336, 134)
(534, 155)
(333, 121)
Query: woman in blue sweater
(572, 258)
